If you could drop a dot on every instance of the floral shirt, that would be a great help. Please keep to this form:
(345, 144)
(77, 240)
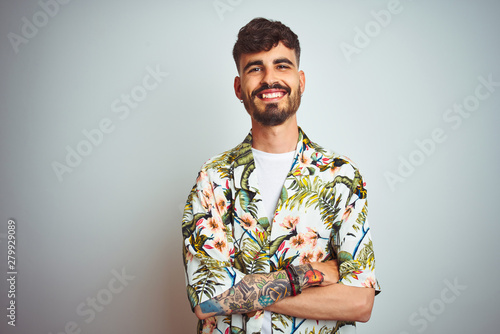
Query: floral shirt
(320, 215)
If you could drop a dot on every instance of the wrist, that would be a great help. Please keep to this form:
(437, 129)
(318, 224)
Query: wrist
(307, 276)
(294, 279)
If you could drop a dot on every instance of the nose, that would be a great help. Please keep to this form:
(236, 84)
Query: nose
(269, 78)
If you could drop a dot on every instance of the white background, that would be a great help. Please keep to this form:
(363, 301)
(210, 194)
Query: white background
(120, 207)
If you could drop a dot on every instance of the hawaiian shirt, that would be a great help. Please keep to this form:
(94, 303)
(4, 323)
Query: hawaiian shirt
(320, 215)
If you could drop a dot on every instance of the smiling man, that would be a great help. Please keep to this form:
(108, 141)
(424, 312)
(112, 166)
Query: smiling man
(276, 238)
(283, 64)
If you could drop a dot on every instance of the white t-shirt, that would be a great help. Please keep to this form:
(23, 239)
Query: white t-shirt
(271, 169)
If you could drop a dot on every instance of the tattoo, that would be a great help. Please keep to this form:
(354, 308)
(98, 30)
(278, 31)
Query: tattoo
(253, 292)
(309, 276)
(244, 288)
(242, 306)
(210, 306)
(257, 291)
(266, 301)
(313, 277)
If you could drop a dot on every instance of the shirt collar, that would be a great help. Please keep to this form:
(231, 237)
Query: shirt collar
(244, 164)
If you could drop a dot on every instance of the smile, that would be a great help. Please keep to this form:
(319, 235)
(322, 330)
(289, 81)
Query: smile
(271, 95)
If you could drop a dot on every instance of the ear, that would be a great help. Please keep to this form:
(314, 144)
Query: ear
(237, 87)
(302, 82)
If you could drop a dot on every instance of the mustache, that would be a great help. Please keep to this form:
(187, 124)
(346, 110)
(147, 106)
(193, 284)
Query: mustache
(266, 86)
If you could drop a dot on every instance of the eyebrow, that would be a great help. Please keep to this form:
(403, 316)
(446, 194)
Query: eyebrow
(283, 60)
(276, 61)
(253, 63)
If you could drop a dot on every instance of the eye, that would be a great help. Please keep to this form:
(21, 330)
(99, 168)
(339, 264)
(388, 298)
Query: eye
(282, 66)
(254, 69)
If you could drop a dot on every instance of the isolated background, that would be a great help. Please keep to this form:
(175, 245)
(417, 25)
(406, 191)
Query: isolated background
(120, 208)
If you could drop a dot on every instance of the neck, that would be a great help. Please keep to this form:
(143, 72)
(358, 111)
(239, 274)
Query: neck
(275, 139)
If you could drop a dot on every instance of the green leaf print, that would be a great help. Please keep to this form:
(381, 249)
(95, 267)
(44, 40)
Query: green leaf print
(248, 169)
(193, 297)
(275, 244)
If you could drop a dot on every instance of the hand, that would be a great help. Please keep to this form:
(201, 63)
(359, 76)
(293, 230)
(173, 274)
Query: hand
(329, 270)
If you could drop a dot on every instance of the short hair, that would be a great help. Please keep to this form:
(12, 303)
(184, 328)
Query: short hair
(262, 34)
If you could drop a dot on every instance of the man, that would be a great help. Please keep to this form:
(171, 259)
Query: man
(275, 232)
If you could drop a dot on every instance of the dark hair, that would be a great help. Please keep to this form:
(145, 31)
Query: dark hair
(262, 34)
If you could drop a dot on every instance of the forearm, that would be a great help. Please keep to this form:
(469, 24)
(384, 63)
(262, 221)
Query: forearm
(257, 291)
(332, 302)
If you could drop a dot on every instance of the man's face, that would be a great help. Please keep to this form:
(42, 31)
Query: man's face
(270, 85)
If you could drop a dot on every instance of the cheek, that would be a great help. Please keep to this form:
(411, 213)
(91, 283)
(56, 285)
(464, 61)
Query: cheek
(246, 95)
(250, 84)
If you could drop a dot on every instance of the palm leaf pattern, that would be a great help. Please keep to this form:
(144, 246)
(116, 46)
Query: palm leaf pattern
(207, 278)
(256, 261)
(315, 193)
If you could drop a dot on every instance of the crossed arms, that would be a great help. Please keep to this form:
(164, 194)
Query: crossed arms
(322, 297)
(216, 286)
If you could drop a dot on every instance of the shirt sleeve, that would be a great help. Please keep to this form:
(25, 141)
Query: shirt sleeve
(354, 243)
(208, 243)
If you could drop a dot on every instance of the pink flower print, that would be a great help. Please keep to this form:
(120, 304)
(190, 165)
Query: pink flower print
(188, 255)
(306, 257)
(247, 221)
(298, 241)
(220, 244)
(369, 282)
(304, 160)
(319, 255)
(311, 236)
(214, 225)
(210, 325)
(221, 204)
(289, 222)
(206, 197)
(202, 175)
(347, 213)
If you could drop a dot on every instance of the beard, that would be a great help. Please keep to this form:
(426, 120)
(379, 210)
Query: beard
(272, 114)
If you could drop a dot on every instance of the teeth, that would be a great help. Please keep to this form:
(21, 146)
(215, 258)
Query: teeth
(272, 95)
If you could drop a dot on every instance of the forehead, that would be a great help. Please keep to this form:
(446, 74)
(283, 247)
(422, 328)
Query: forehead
(278, 52)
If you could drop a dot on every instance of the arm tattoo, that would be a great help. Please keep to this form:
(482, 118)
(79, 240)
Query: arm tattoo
(253, 292)
(308, 276)
(257, 291)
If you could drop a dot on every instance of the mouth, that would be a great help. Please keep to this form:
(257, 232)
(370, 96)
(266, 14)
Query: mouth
(271, 95)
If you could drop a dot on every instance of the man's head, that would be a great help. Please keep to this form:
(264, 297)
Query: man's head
(270, 84)
(262, 35)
